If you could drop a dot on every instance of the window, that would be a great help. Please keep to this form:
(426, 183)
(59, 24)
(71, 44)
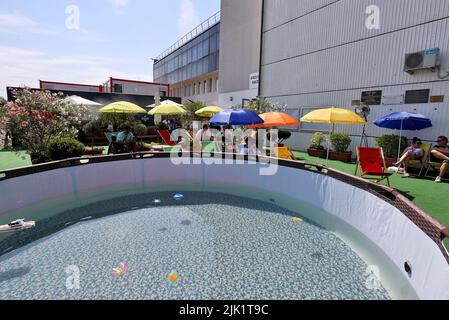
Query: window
(118, 88)
(205, 86)
(194, 89)
(210, 85)
(199, 87)
(417, 96)
(372, 98)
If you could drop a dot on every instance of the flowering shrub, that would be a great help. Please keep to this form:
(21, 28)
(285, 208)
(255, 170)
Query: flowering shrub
(34, 118)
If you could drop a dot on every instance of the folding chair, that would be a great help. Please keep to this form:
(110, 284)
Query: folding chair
(421, 164)
(372, 163)
(284, 153)
(165, 135)
(433, 166)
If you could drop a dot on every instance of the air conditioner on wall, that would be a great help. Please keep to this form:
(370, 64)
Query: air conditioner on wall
(427, 59)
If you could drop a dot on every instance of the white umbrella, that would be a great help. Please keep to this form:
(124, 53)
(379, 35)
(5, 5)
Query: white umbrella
(81, 101)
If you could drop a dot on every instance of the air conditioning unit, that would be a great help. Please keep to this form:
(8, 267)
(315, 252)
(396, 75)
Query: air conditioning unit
(427, 59)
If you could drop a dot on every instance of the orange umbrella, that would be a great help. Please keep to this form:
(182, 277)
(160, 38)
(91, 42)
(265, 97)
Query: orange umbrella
(276, 119)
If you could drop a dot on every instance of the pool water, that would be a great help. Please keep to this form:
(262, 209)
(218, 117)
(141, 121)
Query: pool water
(220, 246)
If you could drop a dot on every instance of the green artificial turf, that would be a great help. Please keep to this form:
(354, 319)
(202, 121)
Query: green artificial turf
(425, 193)
(13, 159)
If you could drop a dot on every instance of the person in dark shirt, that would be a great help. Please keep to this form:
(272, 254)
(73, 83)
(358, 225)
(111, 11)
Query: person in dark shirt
(440, 154)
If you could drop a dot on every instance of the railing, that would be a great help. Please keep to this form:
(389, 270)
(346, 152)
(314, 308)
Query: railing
(213, 20)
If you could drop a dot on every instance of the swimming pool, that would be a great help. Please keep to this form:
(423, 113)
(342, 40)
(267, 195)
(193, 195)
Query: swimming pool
(222, 247)
(232, 236)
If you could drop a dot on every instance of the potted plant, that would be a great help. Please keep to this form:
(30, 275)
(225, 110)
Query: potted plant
(340, 143)
(140, 130)
(389, 144)
(93, 129)
(316, 149)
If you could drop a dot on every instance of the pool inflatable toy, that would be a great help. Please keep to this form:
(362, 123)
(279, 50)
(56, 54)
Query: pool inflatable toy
(19, 224)
(178, 197)
(173, 276)
(297, 219)
(120, 270)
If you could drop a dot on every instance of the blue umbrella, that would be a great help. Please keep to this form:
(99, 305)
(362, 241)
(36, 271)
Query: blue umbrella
(232, 117)
(403, 121)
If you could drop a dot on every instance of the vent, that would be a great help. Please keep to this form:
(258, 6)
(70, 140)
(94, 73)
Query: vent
(428, 59)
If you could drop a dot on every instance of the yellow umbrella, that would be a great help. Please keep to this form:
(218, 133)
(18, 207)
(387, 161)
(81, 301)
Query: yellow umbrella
(209, 111)
(333, 116)
(122, 107)
(168, 108)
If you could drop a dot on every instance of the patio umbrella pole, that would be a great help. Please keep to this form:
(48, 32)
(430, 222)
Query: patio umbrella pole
(400, 138)
(331, 130)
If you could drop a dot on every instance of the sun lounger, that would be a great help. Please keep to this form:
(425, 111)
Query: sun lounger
(371, 162)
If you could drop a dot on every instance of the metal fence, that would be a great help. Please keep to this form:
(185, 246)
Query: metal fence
(213, 20)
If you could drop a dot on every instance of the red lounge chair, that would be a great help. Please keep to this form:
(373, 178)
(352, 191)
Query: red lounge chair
(372, 163)
(165, 135)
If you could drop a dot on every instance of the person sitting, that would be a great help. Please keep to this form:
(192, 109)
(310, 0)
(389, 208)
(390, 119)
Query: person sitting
(113, 146)
(414, 152)
(440, 154)
(126, 141)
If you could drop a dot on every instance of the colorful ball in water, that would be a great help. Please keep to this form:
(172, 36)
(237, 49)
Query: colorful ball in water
(173, 276)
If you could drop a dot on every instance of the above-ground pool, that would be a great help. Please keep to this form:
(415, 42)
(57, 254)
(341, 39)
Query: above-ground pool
(113, 228)
(221, 247)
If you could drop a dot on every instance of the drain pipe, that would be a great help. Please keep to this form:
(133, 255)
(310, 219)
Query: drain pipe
(259, 90)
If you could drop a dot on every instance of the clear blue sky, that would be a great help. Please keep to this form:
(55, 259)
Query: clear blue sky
(115, 38)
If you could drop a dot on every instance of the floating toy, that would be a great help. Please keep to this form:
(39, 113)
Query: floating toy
(157, 201)
(120, 270)
(297, 219)
(178, 197)
(173, 276)
(15, 225)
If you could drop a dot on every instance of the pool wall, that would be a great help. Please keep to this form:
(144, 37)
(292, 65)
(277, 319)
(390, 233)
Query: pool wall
(401, 239)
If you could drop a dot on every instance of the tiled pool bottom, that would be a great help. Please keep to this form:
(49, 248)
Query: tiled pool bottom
(222, 247)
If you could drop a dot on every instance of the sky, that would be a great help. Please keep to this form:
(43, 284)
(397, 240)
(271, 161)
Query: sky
(88, 41)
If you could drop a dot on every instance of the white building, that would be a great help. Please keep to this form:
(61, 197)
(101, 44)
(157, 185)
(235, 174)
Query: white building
(239, 51)
(321, 53)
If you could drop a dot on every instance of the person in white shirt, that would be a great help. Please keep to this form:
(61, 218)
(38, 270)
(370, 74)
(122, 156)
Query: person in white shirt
(202, 135)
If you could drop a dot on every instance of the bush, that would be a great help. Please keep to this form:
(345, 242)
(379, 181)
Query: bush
(140, 129)
(93, 129)
(390, 143)
(64, 148)
(317, 140)
(161, 126)
(340, 141)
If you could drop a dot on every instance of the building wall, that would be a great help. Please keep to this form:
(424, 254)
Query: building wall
(194, 58)
(49, 85)
(203, 88)
(137, 87)
(239, 49)
(319, 53)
